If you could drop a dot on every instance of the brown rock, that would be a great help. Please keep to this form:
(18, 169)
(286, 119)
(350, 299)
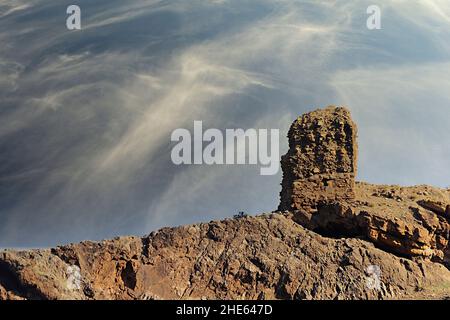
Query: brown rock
(269, 257)
(321, 161)
(319, 187)
(437, 208)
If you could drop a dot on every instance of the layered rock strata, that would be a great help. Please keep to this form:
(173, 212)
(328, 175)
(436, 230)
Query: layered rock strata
(321, 162)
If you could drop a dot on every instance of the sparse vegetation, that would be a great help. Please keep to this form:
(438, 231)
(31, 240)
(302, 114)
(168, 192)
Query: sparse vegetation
(240, 215)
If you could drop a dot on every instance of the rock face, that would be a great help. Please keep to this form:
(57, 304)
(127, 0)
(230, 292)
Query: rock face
(394, 218)
(264, 257)
(333, 238)
(321, 162)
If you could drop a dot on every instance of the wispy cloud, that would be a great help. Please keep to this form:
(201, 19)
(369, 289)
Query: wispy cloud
(86, 117)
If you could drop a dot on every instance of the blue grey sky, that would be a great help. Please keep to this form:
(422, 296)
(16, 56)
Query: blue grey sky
(86, 116)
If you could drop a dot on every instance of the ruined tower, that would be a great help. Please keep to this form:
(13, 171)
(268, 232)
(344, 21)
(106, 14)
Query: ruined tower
(321, 162)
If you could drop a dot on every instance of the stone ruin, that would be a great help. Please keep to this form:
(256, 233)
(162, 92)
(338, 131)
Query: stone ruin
(319, 188)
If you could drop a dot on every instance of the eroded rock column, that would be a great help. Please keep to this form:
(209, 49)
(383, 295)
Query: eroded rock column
(322, 160)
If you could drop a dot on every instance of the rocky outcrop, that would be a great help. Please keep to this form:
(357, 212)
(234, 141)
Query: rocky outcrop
(264, 257)
(321, 162)
(319, 187)
(333, 238)
(392, 217)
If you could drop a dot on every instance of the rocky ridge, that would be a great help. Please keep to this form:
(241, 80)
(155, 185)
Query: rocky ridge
(332, 238)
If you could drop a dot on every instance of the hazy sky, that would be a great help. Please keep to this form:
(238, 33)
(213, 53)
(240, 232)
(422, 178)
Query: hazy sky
(86, 116)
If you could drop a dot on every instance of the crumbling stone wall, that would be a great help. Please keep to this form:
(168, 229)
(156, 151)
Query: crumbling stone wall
(321, 162)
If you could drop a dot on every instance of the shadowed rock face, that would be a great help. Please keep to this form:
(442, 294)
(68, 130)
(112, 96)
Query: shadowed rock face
(331, 236)
(321, 162)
